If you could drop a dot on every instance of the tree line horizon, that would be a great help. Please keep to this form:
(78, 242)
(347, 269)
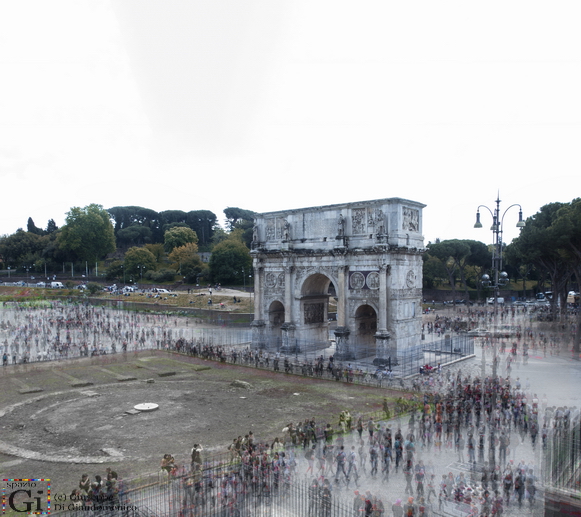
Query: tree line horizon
(137, 241)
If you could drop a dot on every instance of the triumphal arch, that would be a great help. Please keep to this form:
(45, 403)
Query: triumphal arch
(364, 258)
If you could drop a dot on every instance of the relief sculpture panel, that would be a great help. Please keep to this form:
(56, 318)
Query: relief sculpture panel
(314, 313)
(359, 222)
(411, 220)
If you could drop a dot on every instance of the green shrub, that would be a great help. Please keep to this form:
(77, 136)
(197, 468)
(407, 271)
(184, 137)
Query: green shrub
(93, 287)
(163, 275)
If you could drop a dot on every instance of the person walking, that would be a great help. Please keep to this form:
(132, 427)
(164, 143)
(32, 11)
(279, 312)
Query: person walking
(460, 445)
(397, 508)
(310, 457)
(408, 472)
(386, 462)
(314, 490)
(352, 466)
(507, 484)
(373, 460)
(503, 443)
(358, 504)
(471, 449)
(397, 445)
(431, 487)
(519, 487)
(340, 459)
(371, 428)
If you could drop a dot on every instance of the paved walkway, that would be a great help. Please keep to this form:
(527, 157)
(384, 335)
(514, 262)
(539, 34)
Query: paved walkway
(558, 378)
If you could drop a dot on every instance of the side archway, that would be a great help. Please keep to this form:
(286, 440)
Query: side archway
(276, 315)
(365, 329)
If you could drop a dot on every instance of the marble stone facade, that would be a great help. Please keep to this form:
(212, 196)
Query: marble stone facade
(366, 255)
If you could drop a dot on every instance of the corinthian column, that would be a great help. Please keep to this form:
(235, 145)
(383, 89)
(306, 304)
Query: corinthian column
(341, 297)
(382, 335)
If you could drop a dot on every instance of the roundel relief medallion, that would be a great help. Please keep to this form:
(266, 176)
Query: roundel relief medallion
(373, 280)
(270, 279)
(357, 280)
(410, 278)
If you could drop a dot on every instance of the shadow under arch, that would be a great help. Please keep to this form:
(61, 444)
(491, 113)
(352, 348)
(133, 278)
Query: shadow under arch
(316, 292)
(276, 316)
(363, 335)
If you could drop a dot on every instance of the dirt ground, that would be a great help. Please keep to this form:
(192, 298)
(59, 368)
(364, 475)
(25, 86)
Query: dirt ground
(197, 404)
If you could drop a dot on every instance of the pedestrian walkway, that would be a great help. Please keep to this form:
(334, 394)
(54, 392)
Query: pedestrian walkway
(555, 379)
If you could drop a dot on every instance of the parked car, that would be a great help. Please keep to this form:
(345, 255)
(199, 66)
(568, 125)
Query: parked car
(40, 284)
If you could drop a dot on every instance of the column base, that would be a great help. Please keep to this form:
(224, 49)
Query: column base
(343, 351)
(386, 351)
(258, 334)
(289, 342)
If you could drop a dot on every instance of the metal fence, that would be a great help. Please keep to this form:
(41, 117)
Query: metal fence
(444, 351)
(236, 344)
(563, 457)
(220, 488)
(207, 316)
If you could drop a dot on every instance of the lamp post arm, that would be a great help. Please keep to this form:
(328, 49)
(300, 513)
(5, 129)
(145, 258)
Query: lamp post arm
(484, 206)
(516, 204)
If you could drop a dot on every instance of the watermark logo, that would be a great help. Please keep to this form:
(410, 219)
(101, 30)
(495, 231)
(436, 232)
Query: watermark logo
(26, 496)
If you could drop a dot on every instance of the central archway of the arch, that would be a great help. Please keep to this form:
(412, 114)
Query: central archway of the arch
(312, 310)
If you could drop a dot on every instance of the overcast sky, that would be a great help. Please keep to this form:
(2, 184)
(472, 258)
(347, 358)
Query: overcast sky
(270, 105)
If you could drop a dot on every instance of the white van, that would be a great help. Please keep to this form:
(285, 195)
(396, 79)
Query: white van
(57, 285)
(499, 299)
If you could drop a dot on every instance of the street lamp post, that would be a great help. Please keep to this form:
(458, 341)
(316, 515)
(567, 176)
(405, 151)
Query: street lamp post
(8, 272)
(28, 268)
(251, 288)
(202, 222)
(500, 279)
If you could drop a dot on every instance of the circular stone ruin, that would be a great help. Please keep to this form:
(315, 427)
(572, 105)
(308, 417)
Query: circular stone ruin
(146, 406)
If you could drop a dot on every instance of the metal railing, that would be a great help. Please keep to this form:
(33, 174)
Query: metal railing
(230, 488)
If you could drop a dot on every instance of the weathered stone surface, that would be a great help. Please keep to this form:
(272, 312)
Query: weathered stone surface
(241, 384)
(90, 393)
(366, 255)
(30, 390)
(80, 384)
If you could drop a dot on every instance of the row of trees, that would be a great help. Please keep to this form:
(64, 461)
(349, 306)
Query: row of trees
(136, 226)
(547, 250)
(158, 244)
(137, 242)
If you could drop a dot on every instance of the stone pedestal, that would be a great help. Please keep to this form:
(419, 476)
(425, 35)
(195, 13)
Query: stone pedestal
(258, 334)
(343, 347)
(385, 347)
(382, 344)
(289, 341)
